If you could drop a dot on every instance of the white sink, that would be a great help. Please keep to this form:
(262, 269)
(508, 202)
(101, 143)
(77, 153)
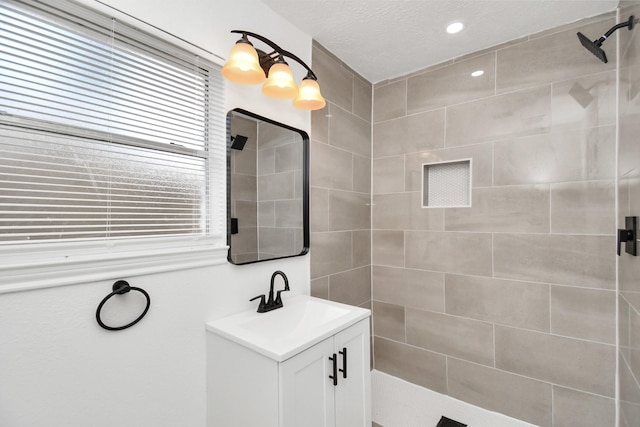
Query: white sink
(284, 332)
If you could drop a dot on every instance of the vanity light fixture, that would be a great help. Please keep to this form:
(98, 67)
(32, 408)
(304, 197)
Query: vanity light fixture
(250, 66)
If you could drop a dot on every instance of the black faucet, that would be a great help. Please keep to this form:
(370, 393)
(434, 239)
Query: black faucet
(272, 304)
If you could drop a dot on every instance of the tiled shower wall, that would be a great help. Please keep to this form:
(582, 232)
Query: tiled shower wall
(340, 205)
(508, 304)
(279, 191)
(243, 203)
(629, 204)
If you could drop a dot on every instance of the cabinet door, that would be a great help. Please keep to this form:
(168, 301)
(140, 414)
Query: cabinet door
(353, 393)
(307, 396)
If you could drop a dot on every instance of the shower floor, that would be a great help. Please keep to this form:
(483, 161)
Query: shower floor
(398, 403)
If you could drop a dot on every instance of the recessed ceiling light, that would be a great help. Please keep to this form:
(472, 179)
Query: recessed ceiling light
(477, 73)
(455, 27)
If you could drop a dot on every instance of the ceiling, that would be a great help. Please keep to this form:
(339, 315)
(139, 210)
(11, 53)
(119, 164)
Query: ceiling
(386, 39)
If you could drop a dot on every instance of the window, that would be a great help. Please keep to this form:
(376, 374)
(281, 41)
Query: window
(107, 134)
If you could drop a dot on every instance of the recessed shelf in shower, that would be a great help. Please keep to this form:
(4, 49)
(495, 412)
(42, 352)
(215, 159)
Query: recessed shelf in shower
(446, 184)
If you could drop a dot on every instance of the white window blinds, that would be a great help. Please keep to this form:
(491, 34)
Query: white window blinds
(105, 131)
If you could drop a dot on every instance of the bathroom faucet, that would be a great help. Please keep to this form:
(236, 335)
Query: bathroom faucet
(272, 304)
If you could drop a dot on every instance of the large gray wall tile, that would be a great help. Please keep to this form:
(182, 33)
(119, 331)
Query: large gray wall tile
(632, 352)
(277, 241)
(629, 271)
(266, 212)
(583, 207)
(288, 157)
(387, 248)
(320, 125)
(629, 394)
(583, 313)
(390, 101)
(411, 364)
(388, 175)
(331, 167)
(349, 211)
(244, 187)
(404, 211)
(361, 247)
(572, 260)
(574, 408)
(410, 134)
(578, 364)
(244, 161)
(288, 213)
(247, 213)
(319, 214)
(451, 84)
(388, 321)
(553, 158)
(351, 287)
(629, 130)
(513, 395)
(584, 102)
(451, 252)
(409, 288)
(503, 209)
(331, 253)
(320, 287)
(451, 335)
(349, 132)
(361, 174)
(277, 187)
(519, 113)
(362, 98)
(507, 302)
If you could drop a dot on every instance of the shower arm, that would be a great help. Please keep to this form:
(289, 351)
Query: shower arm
(629, 23)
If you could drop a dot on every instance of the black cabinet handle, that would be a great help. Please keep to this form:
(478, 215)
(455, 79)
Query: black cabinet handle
(334, 377)
(344, 362)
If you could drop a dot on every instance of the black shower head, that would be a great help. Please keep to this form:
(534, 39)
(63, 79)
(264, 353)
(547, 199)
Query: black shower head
(238, 141)
(593, 47)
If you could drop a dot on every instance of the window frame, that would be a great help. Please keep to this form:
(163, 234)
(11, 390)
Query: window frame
(43, 264)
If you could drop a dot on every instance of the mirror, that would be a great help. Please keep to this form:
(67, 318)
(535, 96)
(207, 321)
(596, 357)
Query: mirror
(268, 189)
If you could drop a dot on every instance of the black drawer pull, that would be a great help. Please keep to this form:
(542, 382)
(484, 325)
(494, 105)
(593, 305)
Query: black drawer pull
(344, 362)
(334, 377)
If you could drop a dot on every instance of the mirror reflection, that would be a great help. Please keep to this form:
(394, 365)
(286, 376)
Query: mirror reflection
(268, 189)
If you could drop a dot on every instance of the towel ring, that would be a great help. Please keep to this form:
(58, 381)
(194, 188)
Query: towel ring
(122, 287)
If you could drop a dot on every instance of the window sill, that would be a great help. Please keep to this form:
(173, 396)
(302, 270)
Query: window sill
(24, 273)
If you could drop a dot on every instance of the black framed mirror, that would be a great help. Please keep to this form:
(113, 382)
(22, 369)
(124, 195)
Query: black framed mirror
(267, 189)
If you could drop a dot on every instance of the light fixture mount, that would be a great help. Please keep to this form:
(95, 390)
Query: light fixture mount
(268, 59)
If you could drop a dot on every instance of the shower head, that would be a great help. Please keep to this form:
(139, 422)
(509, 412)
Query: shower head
(593, 47)
(238, 141)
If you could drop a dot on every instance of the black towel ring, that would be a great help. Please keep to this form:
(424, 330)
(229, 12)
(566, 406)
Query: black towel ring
(119, 288)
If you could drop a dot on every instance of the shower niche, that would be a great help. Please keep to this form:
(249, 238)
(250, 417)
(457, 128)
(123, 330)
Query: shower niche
(446, 184)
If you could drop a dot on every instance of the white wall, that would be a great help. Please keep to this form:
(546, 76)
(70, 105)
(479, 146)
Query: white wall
(58, 368)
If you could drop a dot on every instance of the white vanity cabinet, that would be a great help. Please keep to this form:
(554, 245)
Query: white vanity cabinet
(309, 396)
(251, 386)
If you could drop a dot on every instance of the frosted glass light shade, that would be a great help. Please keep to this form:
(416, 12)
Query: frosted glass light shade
(280, 84)
(309, 97)
(243, 65)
